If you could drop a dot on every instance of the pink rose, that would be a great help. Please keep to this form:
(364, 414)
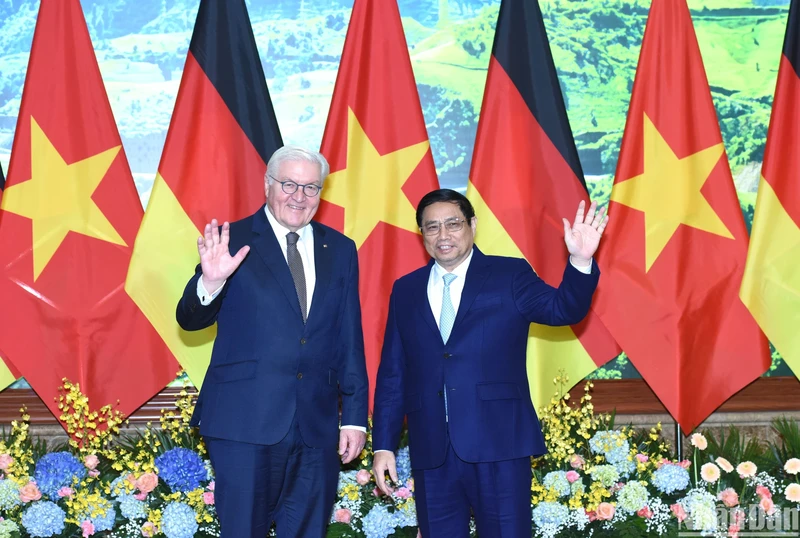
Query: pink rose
(645, 512)
(733, 531)
(149, 529)
(342, 515)
(140, 496)
(65, 492)
(88, 528)
(94, 473)
(208, 497)
(363, 477)
(91, 461)
(592, 515)
(605, 511)
(762, 492)
(767, 506)
(729, 497)
(212, 485)
(577, 462)
(147, 482)
(642, 458)
(403, 493)
(29, 492)
(5, 461)
(679, 512)
(572, 476)
(685, 464)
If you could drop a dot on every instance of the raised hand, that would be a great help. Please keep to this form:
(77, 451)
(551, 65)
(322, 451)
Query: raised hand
(215, 258)
(583, 237)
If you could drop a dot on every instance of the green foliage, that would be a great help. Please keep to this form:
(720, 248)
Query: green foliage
(788, 431)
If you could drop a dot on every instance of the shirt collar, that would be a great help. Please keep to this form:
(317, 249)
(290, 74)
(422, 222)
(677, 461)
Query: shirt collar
(281, 230)
(460, 271)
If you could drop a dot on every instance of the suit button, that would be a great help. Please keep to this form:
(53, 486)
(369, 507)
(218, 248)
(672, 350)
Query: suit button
(300, 375)
(302, 341)
(441, 393)
(447, 355)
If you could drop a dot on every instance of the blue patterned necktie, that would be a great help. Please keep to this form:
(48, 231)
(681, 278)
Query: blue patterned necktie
(448, 315)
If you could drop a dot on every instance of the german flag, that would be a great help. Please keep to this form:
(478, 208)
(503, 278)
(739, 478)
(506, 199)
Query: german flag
(771, 285)
(70, 213)
(222, 133)
(676, 242)
(377, 145)
(525, 177)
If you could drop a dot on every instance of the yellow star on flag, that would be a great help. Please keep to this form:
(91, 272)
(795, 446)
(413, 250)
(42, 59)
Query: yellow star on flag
(370, 188)
(58, 198)
(668, 192)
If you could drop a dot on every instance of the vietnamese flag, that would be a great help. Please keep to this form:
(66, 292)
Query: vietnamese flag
(222, 133)
(70, 213)
(771, 286)
(676, 243)
(525, 177)
(381, 164)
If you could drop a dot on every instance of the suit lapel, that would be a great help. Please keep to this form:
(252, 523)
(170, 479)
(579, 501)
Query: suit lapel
(323, 267)
(423, 304)
(476, 276)
(266, 244)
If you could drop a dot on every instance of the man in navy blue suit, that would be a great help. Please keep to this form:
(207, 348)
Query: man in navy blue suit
(454, 364)
(283, 291)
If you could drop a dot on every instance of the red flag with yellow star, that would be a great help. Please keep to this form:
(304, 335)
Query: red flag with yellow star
(676, 242)
(70, 213)
(377, 145)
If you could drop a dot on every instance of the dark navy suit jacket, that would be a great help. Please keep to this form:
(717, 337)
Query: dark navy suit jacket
(267, 366)
(483, 364)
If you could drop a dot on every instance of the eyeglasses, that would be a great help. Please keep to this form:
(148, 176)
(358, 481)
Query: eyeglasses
(290, 187)
(451, 225)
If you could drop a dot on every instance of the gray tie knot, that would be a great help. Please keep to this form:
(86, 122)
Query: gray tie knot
(448, 279)
(292, 238)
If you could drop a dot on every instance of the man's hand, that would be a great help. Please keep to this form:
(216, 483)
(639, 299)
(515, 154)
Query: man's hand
(351, 443)
(384, 461)
(215, 258)
(583, 237)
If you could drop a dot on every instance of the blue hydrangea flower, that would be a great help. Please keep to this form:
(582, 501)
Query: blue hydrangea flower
(700, 505)
(557, 480)
(610, 444)
(9, 494)
(43, 519)
(632, 497)
(403, 465)
(178, 521)
(131, 508)
(550, 514)
(670, 477)
(55, 470)
(378, 523)
(625, 467)
(407, 515)
(104, 522)
(182, 469)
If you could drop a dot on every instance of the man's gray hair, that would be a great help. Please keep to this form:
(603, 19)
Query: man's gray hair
(296, 153)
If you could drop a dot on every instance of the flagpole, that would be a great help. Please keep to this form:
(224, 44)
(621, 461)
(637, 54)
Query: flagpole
(678, 442)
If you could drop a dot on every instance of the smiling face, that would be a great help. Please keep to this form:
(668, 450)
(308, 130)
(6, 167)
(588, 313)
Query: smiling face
(449, 249)
(293, 210)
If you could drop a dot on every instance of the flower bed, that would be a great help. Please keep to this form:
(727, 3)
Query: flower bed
(596, 480)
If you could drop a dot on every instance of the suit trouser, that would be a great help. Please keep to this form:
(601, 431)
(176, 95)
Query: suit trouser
(288, 483)
(498, 494)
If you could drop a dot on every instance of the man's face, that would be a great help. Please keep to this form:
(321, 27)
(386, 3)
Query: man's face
(293, 210)
(447, 247)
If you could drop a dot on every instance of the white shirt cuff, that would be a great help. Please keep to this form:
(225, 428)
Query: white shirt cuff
(586, 270)
(384, 450)
(359, 428)
(203, 295)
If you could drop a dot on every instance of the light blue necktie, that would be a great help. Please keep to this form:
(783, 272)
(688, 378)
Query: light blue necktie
(446, 320)
(448, 315)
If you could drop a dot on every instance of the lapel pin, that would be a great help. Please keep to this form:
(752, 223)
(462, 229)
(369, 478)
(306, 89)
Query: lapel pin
(324, 245)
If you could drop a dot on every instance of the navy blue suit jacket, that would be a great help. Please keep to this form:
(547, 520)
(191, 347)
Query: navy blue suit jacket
(267, 366)
(483, 364)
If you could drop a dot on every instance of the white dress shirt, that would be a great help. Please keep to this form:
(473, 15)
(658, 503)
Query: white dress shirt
(305, 246)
